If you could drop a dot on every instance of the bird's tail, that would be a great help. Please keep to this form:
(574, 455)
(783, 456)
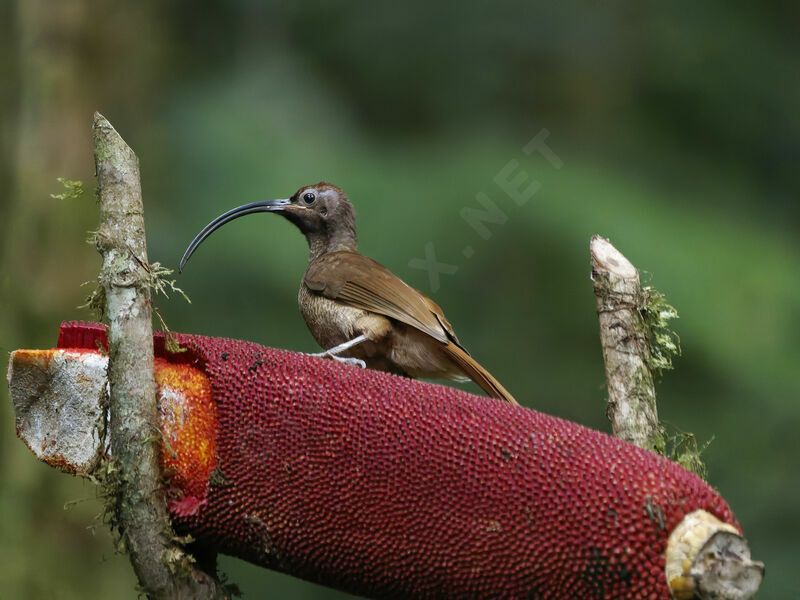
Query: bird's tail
(478, 374)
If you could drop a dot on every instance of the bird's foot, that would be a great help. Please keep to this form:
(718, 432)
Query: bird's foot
(353, 362)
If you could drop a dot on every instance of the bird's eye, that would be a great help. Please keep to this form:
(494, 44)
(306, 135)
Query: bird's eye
(309, 198)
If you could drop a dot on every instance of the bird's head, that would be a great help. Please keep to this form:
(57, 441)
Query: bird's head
(320, 208)
(322, 212)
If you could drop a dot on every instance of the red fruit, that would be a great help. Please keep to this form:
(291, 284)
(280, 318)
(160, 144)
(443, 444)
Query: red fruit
(389, 487)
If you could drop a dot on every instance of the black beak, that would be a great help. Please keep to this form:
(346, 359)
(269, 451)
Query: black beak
(239, 211)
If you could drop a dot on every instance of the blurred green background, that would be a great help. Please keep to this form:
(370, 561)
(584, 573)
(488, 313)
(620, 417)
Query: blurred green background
(676, 125)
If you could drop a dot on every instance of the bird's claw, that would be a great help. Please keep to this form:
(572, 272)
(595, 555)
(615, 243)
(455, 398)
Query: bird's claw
(353, 362)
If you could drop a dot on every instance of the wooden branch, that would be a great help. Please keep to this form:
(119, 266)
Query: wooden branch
(163, 569)
(623, 335)
(706, 559)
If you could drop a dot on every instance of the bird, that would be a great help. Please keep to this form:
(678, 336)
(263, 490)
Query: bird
(357, 310)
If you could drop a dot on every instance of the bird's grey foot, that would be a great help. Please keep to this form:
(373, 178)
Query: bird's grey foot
(353, 362)
(334, 352)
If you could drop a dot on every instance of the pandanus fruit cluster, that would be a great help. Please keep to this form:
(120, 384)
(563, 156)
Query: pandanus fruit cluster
(393, 488)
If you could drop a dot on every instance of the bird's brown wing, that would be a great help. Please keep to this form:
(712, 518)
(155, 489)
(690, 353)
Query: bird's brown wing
(361, 282)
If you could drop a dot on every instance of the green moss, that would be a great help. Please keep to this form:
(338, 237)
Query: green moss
(663, 342)
(72, 189)
(160, 284)
(107, 479)
(96, 300)
(157, 280)
(179, 562)
(170, 341)
(682, 448)
(659, 441)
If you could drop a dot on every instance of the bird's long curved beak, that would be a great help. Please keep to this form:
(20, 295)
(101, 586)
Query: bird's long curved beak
(239, 211)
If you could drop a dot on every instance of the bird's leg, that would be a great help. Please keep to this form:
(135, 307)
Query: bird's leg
(334, 352)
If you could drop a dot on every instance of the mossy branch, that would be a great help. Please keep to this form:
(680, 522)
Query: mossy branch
(138, 506)
(637, 341)
(626, 351)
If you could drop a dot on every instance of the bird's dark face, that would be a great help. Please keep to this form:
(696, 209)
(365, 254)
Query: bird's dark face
(318, 209)
(322, 212)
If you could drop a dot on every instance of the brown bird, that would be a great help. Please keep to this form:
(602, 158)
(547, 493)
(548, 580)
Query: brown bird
(357, 309)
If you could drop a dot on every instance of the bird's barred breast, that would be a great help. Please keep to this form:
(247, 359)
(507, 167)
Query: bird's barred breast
(330, 322)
